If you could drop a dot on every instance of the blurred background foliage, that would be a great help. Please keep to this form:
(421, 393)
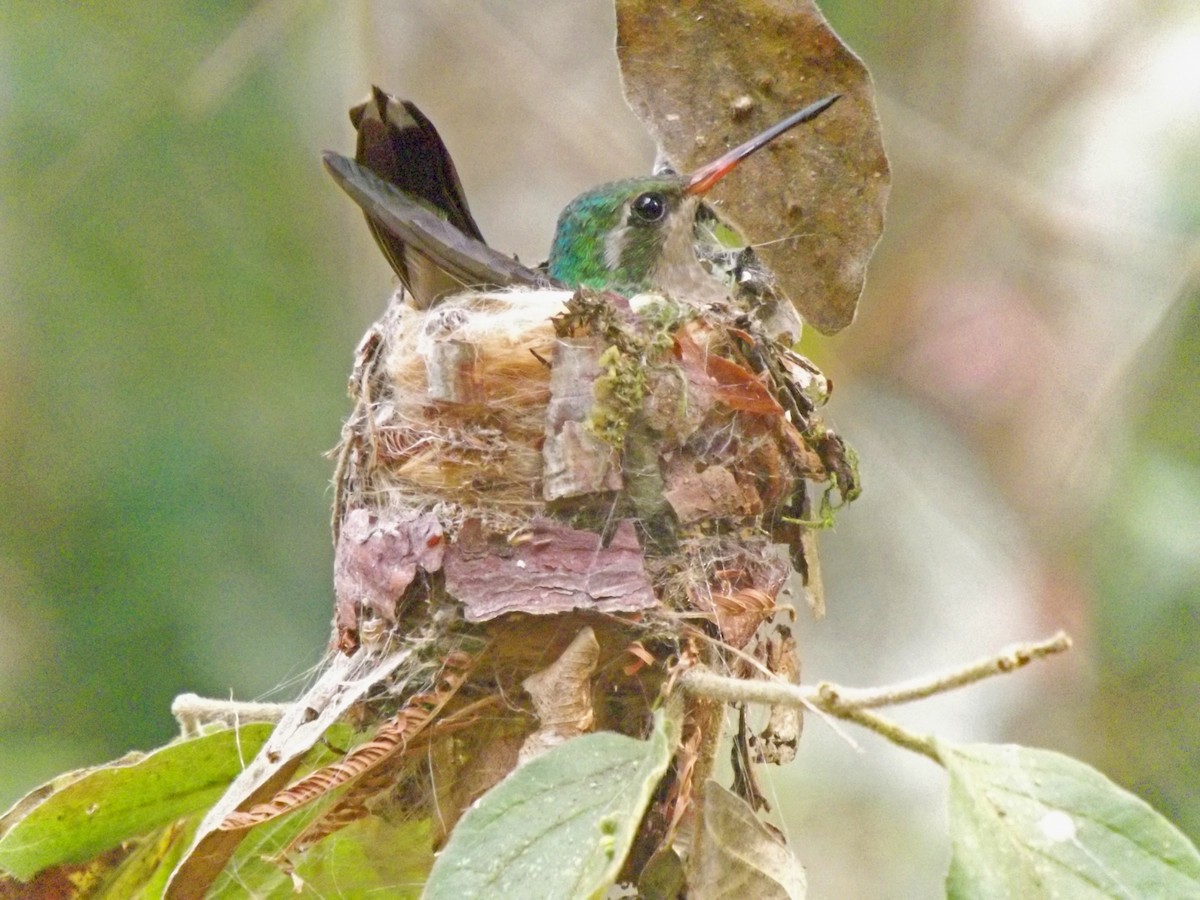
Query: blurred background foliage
(181, 291)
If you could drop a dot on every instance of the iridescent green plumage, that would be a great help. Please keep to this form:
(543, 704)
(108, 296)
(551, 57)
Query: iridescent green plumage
(602, 240)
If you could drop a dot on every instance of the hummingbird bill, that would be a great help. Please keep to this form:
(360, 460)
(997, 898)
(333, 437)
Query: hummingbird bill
(651, 233)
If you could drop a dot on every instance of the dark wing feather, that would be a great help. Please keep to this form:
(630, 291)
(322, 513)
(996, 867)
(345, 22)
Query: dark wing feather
(469, 262)
(399, 144)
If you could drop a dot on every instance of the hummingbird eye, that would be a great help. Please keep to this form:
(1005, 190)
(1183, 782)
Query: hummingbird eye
(650, 206)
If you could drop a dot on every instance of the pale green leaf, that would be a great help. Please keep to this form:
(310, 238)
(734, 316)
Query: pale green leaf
(369, 858)
(1035, 824)
(559, 826)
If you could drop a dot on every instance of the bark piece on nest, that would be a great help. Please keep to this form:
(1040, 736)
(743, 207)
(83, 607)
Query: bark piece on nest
(575, 461)
(552, 568)
(376, 559)
(712, 493)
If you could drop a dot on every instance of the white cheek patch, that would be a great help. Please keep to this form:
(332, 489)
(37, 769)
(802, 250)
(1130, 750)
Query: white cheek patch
(614, 246)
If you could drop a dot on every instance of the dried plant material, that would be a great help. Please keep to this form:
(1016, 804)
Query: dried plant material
(745, 779)
(677, 402)
(557, 569)
(732, 385)
(344, 682)
(562, 696)
(392, 737)
(375, 561)
(346, 811)
(739, 591)
(840, 461)
(683, 789)
(739, 856)
(814, 584)
(776, 743)
(739, 614)
(711, 493)
(642, 658)
(704, 78)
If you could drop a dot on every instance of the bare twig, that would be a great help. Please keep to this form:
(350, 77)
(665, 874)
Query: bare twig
(1007, 660)
(901, 737)
(194, 712)
(854, 704)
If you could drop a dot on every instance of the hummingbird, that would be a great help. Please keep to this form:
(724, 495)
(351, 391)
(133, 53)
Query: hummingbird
(629, 236)
(640, 234)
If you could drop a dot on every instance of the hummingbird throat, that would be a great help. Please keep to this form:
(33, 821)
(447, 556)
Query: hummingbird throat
(661, 258)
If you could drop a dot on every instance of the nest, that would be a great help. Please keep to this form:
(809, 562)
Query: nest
(561, 499)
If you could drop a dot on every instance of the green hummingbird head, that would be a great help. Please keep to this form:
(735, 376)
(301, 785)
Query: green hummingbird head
(638, 234)
(617, 236)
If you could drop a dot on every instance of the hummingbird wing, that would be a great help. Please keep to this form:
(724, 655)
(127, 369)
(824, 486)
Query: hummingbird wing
(467, 262)
(400, 145)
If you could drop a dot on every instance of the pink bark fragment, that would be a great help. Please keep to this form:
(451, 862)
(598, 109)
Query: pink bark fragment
(554, 569)
(710, 494)
(376, 560)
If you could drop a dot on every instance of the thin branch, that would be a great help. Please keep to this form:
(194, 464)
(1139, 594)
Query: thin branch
(854, 704)
(1007, 660)
(901, 737)
(194, 712)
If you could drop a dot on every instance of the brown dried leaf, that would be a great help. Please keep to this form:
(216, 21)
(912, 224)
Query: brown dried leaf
(391, 738)
(642, 658)
(703, 77)
(739, 856)
(740, 599)
(735, 386)
(710, 494)
(681, 793)
(555, 569)
(562, 695)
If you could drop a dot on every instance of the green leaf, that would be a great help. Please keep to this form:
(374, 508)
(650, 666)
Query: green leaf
(1031, 823)
(369, 858)
(110, 804)
(560, 825)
